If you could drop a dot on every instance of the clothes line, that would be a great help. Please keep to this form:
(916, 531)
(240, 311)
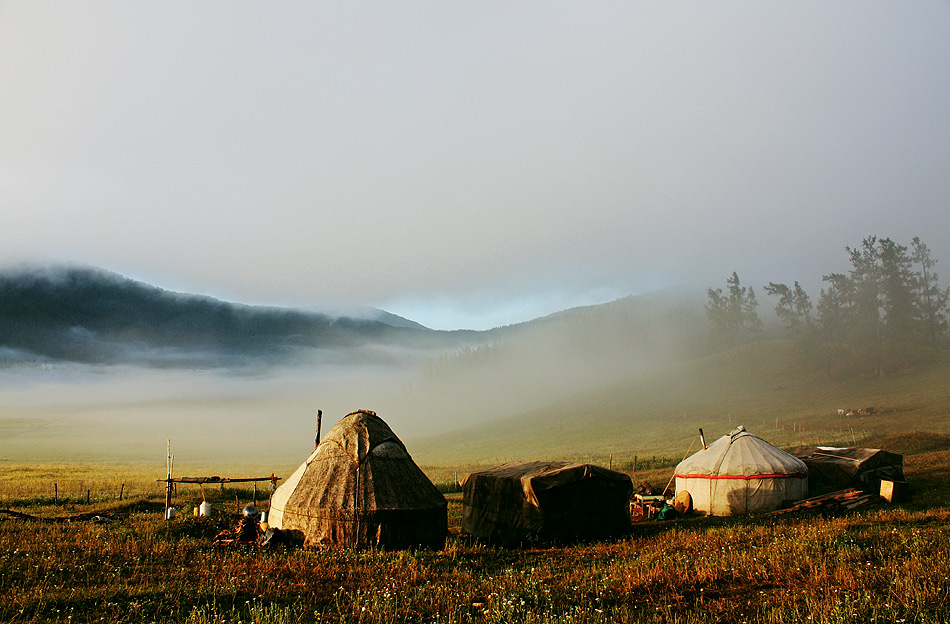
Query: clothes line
(203, 480)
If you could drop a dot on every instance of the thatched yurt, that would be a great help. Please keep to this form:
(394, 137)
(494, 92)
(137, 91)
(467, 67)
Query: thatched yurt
(360, 488)
(741, 473)
(545, 501)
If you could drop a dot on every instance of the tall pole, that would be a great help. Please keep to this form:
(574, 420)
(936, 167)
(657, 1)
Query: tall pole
(168, 477)
(316, 440)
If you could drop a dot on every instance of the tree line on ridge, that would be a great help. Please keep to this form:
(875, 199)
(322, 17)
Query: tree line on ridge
(886, 312)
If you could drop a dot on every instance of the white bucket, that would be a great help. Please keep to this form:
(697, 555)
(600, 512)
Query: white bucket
(204, 509)
(170, 513)
(263, 517)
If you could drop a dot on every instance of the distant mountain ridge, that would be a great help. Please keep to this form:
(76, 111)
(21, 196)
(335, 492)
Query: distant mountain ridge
(90, 315)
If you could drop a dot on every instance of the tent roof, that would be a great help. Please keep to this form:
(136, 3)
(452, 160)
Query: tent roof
(834, 454)
(360, 464)
(740, 454)
(538, 476)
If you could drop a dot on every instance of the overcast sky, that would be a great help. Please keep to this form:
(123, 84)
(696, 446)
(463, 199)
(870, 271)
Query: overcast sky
(470, 164)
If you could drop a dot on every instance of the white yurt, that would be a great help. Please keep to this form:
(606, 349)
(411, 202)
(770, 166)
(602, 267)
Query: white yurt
(741, 473)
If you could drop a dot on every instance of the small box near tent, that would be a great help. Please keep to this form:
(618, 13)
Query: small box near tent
(741, 473)
(545, 502)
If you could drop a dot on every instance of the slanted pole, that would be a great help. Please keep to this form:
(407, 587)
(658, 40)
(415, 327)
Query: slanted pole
(702, 438)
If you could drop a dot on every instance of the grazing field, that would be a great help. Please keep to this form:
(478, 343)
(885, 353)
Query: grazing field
(887, 564)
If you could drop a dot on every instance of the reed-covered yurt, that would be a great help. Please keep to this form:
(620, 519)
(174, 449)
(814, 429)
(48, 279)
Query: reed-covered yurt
(545, 501)
(360, 488)
(741, 473)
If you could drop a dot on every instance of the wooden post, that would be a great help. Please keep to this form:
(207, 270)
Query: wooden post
(168, 477)
(55, 493)
(702, 438)
(356, 500)
(87, 497)
(316, 440)
(121, 491)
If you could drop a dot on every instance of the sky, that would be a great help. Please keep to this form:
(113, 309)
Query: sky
(469, 165)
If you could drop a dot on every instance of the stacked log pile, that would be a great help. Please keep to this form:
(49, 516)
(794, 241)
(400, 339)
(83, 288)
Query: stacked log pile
(835, 502)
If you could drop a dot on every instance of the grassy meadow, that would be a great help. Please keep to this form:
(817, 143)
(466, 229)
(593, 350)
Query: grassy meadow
(889, 563)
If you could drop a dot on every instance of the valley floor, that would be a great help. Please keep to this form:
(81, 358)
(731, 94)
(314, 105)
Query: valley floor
(887, 564)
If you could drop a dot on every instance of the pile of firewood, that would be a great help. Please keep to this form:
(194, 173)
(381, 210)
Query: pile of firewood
(835, 502)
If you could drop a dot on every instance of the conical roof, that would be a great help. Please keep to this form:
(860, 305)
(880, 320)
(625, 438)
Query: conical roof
(740, 454)
(361, 487)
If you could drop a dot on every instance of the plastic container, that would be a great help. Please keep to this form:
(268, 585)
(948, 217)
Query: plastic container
(170, 513)
(204, 509)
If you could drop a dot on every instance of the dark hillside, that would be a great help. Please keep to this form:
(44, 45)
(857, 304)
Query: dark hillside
(88, 315)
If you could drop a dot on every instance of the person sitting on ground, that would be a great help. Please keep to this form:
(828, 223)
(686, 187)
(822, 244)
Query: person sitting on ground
(247, 531)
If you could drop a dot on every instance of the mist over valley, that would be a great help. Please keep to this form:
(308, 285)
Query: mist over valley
(97, 365)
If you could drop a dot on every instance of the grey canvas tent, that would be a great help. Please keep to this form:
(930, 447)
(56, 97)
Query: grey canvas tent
(833, 468)
(545, 501)
(360, 488)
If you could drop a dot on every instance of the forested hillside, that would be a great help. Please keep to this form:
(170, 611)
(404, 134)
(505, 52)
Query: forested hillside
(886, 313)
(92, 316)
(876, 341)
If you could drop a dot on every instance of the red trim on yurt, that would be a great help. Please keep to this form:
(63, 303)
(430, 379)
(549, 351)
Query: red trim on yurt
(764, 476)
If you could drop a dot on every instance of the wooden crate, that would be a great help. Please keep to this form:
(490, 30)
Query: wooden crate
(894, 491)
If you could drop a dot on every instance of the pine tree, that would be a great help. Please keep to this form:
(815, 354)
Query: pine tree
(932, 302)
(900, 318)
(835, 309)
(867, 326)
(793, 307)
(733, 315)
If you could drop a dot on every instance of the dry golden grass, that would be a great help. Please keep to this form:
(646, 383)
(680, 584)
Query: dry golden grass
(888, 564)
